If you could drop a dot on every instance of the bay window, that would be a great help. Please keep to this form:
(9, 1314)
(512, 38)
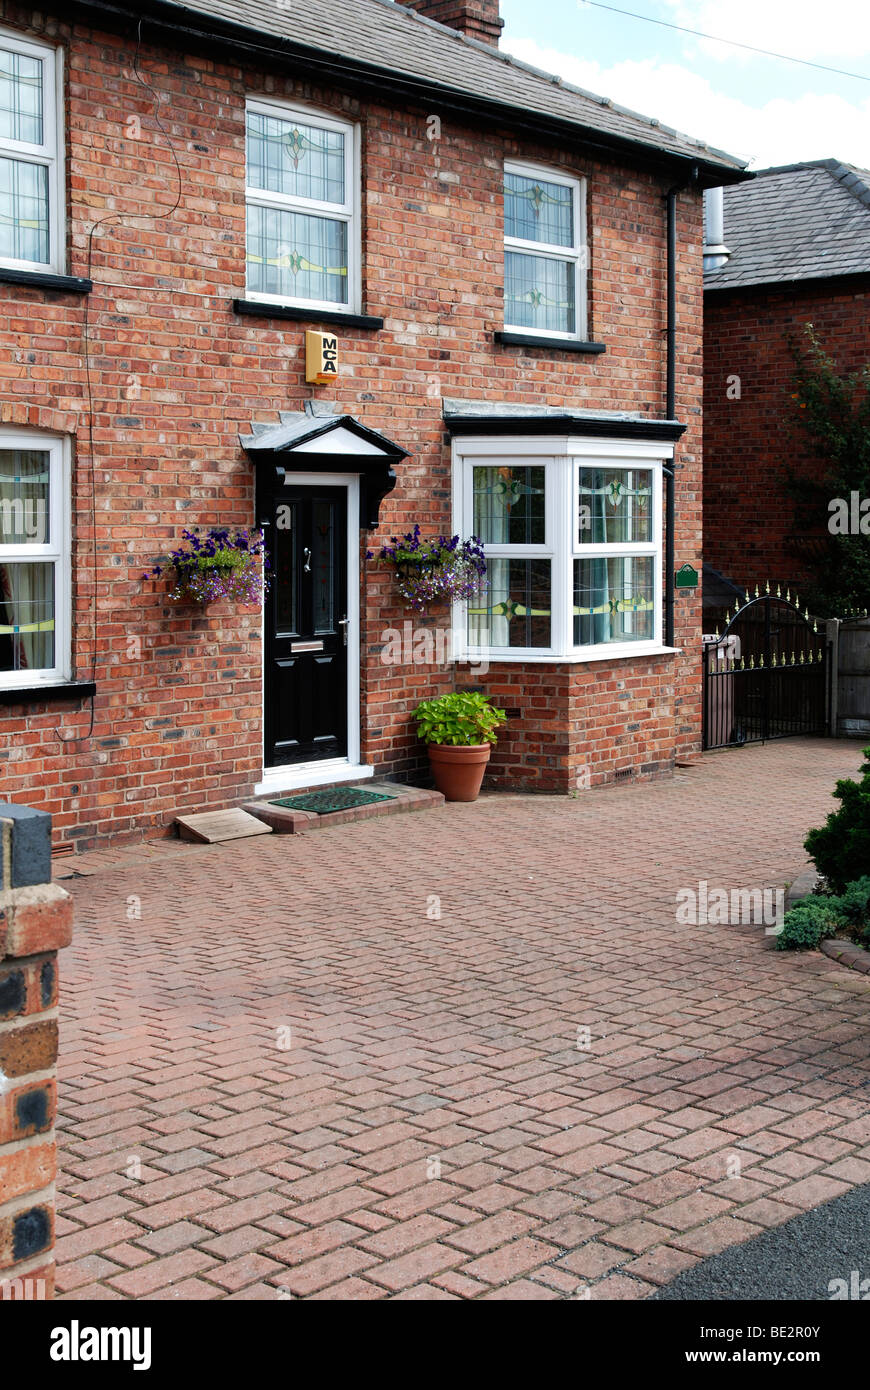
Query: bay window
(30, 154)
(302, 208)
(545, 252)
(34, 560)
(572, 531)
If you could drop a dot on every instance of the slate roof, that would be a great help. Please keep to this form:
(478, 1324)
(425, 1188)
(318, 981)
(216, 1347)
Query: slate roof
(455, 409)
(298, 426)
(380, 36)
(796, 222)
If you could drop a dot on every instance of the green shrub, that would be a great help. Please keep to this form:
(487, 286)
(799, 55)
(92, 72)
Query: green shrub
(854, 907)
(808, 923)
(840, 849)
(465, 717)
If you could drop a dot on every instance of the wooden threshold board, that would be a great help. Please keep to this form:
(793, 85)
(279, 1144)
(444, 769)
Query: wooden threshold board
(213, 827)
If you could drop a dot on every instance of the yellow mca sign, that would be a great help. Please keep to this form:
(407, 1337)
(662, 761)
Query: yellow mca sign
(321, 357)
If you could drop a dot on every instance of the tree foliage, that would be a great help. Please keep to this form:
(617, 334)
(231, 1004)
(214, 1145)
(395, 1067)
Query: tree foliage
(831, 421)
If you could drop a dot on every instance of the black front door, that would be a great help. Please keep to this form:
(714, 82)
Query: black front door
(306, 626)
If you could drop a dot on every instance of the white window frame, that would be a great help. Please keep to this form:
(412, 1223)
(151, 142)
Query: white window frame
(562, 457)
(347, 212)
(50, 153)
(576, 255)
(55, 551)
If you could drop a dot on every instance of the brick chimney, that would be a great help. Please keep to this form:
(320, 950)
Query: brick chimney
(479, 19)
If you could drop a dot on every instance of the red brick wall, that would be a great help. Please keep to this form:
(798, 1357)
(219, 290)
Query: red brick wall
(748, 515)
(177, 722)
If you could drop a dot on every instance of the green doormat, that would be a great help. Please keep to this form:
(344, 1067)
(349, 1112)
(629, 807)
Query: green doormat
(335, 799)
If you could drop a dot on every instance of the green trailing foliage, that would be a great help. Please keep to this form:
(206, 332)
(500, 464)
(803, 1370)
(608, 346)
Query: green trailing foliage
(854, 908)
(808, 923)
(465, 717)
(840, 849)
(830, 417)
(813, 919)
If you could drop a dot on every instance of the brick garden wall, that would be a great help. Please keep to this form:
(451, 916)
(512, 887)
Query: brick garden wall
(35, 922)
(748, 516)
(176, 375)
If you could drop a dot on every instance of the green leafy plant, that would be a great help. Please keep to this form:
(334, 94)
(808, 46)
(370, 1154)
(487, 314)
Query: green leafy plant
(840, 849)
(464, 717)
(854, 907)
(808, 923)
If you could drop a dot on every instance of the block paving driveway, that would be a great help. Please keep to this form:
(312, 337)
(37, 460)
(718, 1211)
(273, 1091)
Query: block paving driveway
(283, 1074)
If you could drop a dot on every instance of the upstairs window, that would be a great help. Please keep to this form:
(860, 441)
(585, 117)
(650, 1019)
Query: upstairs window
(302, 209)
(545, 253)
(30, 188)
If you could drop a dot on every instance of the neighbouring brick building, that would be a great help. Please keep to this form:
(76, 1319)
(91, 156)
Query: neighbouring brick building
(798, 242)
(185, 190)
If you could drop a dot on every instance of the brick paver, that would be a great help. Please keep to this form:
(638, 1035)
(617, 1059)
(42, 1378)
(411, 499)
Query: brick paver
(466, 1053)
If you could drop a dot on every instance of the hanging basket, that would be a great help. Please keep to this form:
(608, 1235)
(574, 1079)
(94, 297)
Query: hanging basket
(222, 565)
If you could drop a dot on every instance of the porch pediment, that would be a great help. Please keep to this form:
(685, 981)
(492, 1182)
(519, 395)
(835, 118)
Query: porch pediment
(328, 443)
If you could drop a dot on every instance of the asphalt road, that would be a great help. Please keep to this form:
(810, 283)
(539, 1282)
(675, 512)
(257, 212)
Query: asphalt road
(798, 1260)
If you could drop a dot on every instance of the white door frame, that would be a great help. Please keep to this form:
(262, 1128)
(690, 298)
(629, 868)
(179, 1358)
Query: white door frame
(330, 770)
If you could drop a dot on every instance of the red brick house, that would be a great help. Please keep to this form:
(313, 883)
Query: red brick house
(511, 273)
(796, 251)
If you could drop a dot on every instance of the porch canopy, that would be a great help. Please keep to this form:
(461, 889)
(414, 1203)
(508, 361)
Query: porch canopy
(312, 442)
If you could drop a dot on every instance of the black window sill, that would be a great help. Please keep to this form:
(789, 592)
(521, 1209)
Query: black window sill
(46, 280)
(548, 344)
(257, 308)
(47, 694)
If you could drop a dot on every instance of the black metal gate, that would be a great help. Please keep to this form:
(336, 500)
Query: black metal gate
(766, 675)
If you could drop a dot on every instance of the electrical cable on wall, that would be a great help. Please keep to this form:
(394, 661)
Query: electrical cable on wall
(86, 349)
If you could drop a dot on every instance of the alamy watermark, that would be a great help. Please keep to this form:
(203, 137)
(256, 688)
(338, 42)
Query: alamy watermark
(25, 517)
(849, 518)
(732, 907)
(853, 1288)
(413, 645)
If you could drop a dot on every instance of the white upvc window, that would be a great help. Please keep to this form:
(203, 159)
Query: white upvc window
(31, 156)
(544, 251)
(303, 200)
(572, 532)
(34, 559)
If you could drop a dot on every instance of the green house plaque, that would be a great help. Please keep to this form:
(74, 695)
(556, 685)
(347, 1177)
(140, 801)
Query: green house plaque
(686, 577)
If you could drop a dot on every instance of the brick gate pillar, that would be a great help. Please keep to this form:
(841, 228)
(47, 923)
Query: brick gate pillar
(35, 922)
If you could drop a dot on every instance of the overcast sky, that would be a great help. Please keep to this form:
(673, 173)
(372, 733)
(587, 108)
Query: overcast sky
(767, 111)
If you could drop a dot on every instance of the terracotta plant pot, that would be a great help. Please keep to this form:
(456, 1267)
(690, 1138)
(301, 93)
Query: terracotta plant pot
(458, 768)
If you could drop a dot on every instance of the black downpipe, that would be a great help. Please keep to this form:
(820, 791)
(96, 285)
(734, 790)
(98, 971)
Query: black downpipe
(670, 411)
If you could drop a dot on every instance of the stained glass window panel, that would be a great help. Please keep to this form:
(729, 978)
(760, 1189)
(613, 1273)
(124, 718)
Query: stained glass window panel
(540, 293)
(24, 497)
(24, 213)
(323, 566)
(20, 97)
(614, 599)
(284, 563)
(614, 506)
(300, 161)
(509, 505)
(537, 210)
(296, 255)
(515, 608)
(26, 617)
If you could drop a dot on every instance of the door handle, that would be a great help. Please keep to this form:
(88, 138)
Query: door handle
(342, 623)
(307, 553)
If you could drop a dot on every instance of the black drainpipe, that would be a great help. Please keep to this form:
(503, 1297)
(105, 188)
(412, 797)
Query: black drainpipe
(671, 402)
(670, 411)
